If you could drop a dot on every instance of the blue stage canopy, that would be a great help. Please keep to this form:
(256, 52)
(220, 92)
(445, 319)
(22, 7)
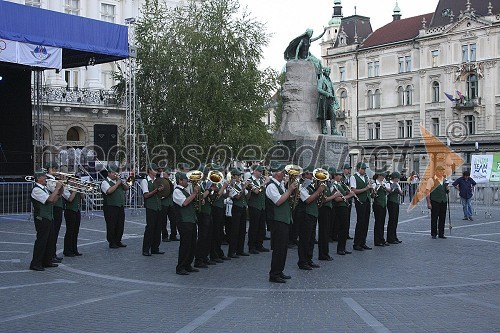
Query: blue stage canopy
(80, 38)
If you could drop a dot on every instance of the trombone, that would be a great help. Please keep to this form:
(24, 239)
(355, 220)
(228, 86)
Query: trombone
(72, 184)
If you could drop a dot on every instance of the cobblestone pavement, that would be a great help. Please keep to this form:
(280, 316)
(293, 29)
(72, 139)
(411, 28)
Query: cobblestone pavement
(421, 285)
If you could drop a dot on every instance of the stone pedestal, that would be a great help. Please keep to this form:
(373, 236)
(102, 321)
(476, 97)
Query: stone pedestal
(300, 131)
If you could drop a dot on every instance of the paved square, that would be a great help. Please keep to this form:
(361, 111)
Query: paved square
(421, 285)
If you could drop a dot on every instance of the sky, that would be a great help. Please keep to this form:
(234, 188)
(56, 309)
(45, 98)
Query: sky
(287, 19)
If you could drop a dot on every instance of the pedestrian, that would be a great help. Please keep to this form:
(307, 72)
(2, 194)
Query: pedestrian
(465, 186)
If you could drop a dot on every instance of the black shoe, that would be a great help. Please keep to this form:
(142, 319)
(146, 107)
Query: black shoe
(366, 247)
(253, 251)
(78, 254)
(465, 219)
(347, 252)
(341, 253)
(121, 245)
(357, 248)
(201, 265)
(243, 254)
(37, 268)
(387, 244)
(262, 249)
(313, 265)
(113, 246)
(67, 254)
(284, 276)
(166, 240)
(146, 253)
(379, 244)
(442, 236)
(305, 267)
(276, 279)
(233, 256)
(218, 260)
(471, 219)
(326, 258)
(210, 262)
(174, 239)
(50, 265)
(349, 237)
(225, 258)
(433, 237)
(56, 260)
(157, 252)
(182, 272)
(399, 241)
(192, 270)
(393, 242)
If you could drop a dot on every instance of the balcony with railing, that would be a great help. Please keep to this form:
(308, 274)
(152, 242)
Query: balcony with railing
(464, 104)
(78, 96)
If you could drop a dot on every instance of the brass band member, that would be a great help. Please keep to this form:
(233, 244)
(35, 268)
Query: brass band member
(437, 189)
(186, 223)
(341, 210)
(382, 188)
(257, 211)
(307, 220)
(346, 175)
(72, 216)
(360, 185)
(152, 233)
(114, 207)
(238, 195)
(393, 208)
(280, 214)
(167, 205)
(218, 219)
(43, 214)
(324, 223)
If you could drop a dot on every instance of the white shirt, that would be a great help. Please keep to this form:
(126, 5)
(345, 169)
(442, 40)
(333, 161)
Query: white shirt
(232, 194)
(272, 191)
(352, 180)
(51, 186)
(105, 185)
(178, 196)
(144, 184)
(382, 184)
(40, 193)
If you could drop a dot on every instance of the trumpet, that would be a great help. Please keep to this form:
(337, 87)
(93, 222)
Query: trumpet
(321, 177)
(294, 171)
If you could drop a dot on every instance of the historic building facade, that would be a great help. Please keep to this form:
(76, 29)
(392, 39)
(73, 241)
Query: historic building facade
(440, 71)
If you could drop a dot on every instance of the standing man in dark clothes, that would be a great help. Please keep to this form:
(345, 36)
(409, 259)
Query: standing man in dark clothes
(465, 186)
(152, 232)
(437, 201)
(361, 186)
(393, 208)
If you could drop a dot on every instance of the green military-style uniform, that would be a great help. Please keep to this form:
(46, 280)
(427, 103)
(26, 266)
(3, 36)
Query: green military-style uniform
(72, 216)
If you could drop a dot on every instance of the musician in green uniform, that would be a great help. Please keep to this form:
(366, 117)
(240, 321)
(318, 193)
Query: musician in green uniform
(43, 215)
(361, 186)
(382, 188)
(238, 194)
(167, 207)
(437, 189)
(218, 220)
(393, 200)
(72, 216)
(113, 189)
(340, 210)
(257, 212)
(325, 205)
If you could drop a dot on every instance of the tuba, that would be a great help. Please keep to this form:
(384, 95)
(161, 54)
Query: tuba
(321, 177)
(195, 176)
(294, 171)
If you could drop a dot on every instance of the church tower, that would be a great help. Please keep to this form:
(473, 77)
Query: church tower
(333, 28)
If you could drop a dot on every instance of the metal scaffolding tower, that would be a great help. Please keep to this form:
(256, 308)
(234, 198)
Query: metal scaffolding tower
(131, 104)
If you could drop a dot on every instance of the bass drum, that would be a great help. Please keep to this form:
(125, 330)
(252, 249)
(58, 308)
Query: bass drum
(167, 187)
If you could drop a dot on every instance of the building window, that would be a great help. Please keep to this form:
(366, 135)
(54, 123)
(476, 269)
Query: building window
(468, 52)
(409, 128)
(465, 53)
(370, 69)
(370, 127)
(401, 61)
(401, 96)
(108, 12)
(377, 131)
(370, 100)
(435, 91)
(342, 73)
(73, 134)
(72, 7)
(343, 101)
(408, 64)
(472, 49)
(71, 77)
(342, 130)
(435, 57)
(470, 123)
(376, 66)
(472, 86)
(34, 3)
(435, 126)
(408, 96)
(401, 129)
(376, 99)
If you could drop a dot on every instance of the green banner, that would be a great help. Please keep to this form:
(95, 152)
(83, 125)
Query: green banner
(495, 169)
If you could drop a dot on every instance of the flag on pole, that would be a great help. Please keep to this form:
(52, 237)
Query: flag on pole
(450, 97)
(460, 95)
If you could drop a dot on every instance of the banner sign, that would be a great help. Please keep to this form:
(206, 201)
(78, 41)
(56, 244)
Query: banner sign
(481, 168)
(30, 54)
(495, 170)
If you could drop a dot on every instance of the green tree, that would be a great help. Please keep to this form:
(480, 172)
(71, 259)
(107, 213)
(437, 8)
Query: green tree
(198, 80)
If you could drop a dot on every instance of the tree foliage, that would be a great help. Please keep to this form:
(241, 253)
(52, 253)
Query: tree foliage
(198, 80)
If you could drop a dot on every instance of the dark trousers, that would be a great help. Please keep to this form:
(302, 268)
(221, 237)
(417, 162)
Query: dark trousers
(115, 222)
(438, 217)
(152, 232)
(72, 219)
(58, 217)
(279, 239)
(362, 222)
(293, 235)
(218, 218)
(392, 223)
(333, 232)
(379, 213)
(43, 248)
(324, 222)
(169, 215)
(349, 209)
(306, 237)
(204, 237)
(238, 230)
(256, 228)
(187, 245)
(341, 216)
